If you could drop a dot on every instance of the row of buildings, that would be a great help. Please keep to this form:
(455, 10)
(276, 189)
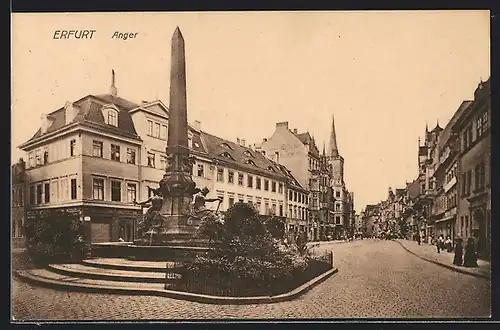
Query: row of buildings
(95, 156)
(451, 194)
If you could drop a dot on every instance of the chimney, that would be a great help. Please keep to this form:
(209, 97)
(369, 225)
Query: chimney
(243, 142)
(264, 140)
(238, 141)
(70, 113)
(283, 124)
(295, 131)
(45, 123)
(197, 125)
(277, 154)
(145, 102)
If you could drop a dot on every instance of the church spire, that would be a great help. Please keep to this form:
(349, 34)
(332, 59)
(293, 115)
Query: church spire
(324, 150)
(333, 150)
(112, 90)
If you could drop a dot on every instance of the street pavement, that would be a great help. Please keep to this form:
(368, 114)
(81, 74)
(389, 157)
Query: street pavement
(376, 279)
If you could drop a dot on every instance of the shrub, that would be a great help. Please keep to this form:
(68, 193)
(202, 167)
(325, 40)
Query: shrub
(58, 238)
(245, 253)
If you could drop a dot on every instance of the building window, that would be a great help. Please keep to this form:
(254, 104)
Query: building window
(97, 148)
(259, 204)
(273, 209)
(163, 132)
(230, 177)
(72, 146)
(290, 195)
(73, 188)
(39, 194)
(469, 182)
(266, 185)
(337, 194)
(337, 207)
(295, 196)
(337, 220)
(163, 162)
(273, 186)
(220, 174)
(31, 160)
(116, 191)
(38, 158)
(20, 197)
(130, 156)
(150, 127)
(98, 189)
(290, 213)
(281, 210)
(151, 159)
(157, 130)
(201, 170)
(485, 120)
(266, 208)
(45, 156)
(46, 188)
(480, 178)
(240, 179)
(115, 152)
(53, 191)
(250, 181)
(112, 118)
(258, 183)
(32, 195)
(231, 201)
(64, 189)
(131, 192)
(280, 188)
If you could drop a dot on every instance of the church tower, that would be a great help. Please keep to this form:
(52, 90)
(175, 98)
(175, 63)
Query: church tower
(334, 157)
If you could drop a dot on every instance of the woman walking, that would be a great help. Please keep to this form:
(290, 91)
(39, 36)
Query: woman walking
(470, 256)
(457, 260)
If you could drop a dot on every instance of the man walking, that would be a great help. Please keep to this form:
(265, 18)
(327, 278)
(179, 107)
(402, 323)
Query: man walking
(440, 243)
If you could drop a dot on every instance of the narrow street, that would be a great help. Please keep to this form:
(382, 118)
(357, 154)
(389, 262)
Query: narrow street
(376, 279)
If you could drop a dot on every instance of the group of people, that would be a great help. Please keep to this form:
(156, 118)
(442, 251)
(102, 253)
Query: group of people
(467, 258)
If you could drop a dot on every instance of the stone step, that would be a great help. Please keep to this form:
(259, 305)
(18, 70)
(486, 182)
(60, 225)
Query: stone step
(130, 265)
(49, 278)
(90, 272)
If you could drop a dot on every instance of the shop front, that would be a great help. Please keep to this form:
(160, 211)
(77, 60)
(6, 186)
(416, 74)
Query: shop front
(106, 224)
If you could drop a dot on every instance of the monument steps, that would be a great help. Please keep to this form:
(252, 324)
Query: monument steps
(97, 273)
(126, 264)
(46, 277)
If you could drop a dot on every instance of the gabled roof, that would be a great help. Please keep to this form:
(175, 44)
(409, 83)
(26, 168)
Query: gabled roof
(89, 114)
(216, 150)
(413, 188)
(446, 133)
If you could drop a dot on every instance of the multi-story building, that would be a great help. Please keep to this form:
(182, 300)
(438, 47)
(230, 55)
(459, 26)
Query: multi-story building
(472, 129)
(371, 221)
(410, 214)
(445, 208)
(19, 185)
(94, 157)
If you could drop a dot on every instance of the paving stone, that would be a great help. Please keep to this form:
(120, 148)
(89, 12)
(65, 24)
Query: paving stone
(376, 279)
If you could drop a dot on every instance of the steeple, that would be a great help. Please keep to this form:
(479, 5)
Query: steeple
(333, 150)
(112, 90)
(426, 127)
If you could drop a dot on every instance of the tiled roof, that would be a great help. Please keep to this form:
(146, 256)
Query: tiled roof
(400, 191)
(89, 114)
(217, 148)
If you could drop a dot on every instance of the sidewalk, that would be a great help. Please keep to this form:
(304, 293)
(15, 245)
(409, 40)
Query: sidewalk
(429, 253)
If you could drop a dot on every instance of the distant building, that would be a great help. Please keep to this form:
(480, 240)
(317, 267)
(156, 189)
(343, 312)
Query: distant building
(19, 185)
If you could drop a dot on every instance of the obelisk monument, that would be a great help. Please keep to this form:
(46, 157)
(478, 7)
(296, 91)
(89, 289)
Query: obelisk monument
(177, 185)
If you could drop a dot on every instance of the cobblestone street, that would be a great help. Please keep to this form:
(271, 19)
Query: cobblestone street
(375, 279)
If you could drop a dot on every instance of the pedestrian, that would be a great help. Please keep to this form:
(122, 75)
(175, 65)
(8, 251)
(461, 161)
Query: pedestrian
(418, 238)
(457, 260)
(440, 243)
(470, 256)
(448, 244)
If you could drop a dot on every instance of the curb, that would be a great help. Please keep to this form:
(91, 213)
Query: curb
(200, 298)
(458, 270)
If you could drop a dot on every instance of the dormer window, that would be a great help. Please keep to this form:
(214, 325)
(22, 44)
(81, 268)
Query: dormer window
(110, 114)
(227, 155)
(226, 146)
(251, 162)
(248, 153)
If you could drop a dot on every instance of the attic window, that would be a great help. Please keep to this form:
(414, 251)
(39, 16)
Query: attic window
(251, 162)
(111, 117)
(226, 146)
(248, 153)
(227, 155)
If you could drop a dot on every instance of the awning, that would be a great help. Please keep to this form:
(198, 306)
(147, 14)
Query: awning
(445, 219)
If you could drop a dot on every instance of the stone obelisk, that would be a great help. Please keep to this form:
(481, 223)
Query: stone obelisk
(177, 185)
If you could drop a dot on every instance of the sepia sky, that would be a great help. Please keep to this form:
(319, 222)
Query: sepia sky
(382, 74)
